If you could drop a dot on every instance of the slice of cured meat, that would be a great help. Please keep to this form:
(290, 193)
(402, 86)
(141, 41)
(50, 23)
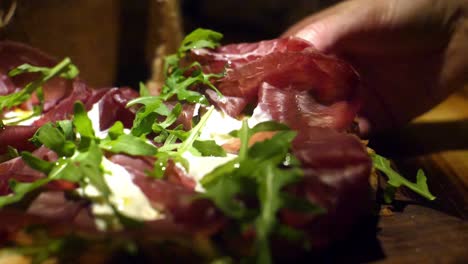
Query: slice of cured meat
(236, 55)
(299, 109)
(316, 95)
(288, 78)
(14, 54)
(336, 177)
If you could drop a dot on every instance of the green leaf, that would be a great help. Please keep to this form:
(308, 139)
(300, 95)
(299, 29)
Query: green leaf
(223, 193)
(160, 164)
(170, 62)
(20, 189)
(144, 90)
(396, 180)
(244, 136)
(264, 126)
(170, 119)
(66, 169)
(54, 139)
(81, 121)
(146, 115)
(64, 69)
(129, 144)
(89, 163)
(200, 38)
(219, 172)
(195, 132)
(209, 148)
(36, 163)
(66, 126)
(116, 130)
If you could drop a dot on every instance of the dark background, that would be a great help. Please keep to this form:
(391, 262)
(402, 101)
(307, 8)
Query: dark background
(113, 41)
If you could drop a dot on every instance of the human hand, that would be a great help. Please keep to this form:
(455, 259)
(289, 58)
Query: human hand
(410, 54)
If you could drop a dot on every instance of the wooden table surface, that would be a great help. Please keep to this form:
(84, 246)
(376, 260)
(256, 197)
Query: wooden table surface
(420, 231)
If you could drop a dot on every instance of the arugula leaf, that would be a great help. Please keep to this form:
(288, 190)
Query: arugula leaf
(170, 119)
(395, 180)
(66, 127)
(20, 189)
(195, 132)
(70, 71)
(261, 171)
(81, 121)
(144, 90)
(64, 69)
(147, 114)
(54, 139)
(223, 194)
(209, 148)
(129, 144)
(116, 130)
(90, 167)
(200, 38)
(36, 163)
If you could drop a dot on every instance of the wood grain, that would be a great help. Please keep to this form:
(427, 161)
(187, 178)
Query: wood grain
(422, 231)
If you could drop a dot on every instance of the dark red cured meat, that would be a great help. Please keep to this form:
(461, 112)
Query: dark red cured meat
(112, 105)
(326, 78)
(17, 169)
(336, 176)
(185, 117)
(178, 200)
(55, 206)
(14, 54)
(236, 55)
(231, 105)
(64, 109)
(6, 85)
(299, 109)
(17, 137)
(284, 75)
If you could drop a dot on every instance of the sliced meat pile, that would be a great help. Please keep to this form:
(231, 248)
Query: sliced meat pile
(316, 95)
(313, 93)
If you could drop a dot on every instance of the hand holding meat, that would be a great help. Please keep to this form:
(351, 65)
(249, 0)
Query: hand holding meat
(410, 54)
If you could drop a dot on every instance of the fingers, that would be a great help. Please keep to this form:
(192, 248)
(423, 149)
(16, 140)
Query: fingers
(329, 27)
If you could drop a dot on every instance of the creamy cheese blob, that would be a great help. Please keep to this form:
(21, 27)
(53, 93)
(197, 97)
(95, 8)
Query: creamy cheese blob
(126, 197)
(201, 166)
(217, 128)
(219, 124)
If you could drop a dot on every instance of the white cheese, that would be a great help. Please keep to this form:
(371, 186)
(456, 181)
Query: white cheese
(125, 196)
(95, 116)
(217, 128)
(219, 124)
(200, 166)
(16, 115)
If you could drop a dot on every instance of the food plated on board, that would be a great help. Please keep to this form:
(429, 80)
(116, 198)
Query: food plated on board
(247, 148)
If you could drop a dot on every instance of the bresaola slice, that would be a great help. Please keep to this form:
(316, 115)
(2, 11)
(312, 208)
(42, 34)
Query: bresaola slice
(300, 110)
(236, 55)
(336, 176)
(281, 75)
(14, 54)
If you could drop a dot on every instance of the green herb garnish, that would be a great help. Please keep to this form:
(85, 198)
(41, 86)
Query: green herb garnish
(261, 172)
(395, 180)
(64, 69)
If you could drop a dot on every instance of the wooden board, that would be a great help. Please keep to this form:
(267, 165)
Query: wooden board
(421, 231)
